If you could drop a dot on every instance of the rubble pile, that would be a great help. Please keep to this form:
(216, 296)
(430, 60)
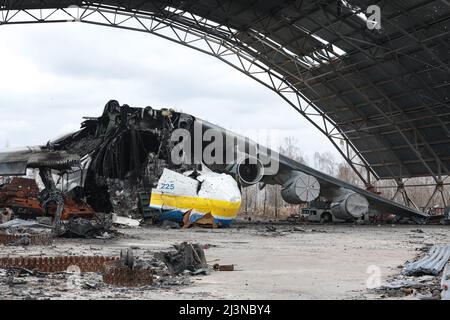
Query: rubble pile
(423, 278)
(18, 232)
(423, 287)
(107, 272)
(127, 272)
(87, 228)
(38, 231)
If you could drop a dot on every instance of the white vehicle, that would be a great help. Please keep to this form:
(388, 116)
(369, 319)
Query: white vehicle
(320, 215)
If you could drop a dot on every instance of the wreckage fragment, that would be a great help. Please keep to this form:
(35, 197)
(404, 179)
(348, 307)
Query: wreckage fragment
(219, 267)
(16, 162)
(206, 221)
(85, 228)
(125, 272)
(124, 221)
(187, 256)
(22, 197)
(118, 275)
(45, 160)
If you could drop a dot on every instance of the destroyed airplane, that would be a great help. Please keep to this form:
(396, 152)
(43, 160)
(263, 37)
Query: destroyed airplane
(187, 165)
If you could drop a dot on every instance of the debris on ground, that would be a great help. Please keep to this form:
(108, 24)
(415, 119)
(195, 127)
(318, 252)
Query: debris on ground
(18, 232)
(227, 247)
(188, 258)
(219, 267)
(46, 221)
(16, 225)
(96, 272)
(87, 228)
(421, 278)
(408, 282)
(318, 231)
(26, 232)
(401, 286)
(206, 221)
(435, 295)
(432, 263)
(124, 221)
(127, 272)
(23, 198)
(168, 224)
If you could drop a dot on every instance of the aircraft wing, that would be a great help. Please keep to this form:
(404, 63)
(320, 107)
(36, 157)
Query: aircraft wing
(300, 183)
(376, 202)
(16, 162)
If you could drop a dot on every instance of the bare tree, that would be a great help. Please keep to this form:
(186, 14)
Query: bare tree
(325, 162)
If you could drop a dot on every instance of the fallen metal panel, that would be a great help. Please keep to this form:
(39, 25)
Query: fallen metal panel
(432, 263)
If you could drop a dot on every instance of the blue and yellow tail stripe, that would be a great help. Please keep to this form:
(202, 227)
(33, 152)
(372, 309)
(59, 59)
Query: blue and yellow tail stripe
(220, 209)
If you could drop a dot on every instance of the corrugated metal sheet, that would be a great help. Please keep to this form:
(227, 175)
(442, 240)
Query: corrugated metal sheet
(432, 263)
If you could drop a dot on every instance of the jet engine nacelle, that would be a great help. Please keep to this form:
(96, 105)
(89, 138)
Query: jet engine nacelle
(350, 206)
(300, 188)
(249, 170)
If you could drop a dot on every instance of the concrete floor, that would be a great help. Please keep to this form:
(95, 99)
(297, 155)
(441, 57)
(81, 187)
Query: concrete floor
(308, 262)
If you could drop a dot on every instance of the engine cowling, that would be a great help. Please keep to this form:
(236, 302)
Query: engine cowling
(350, 206)
(249, 170)
(301, 188)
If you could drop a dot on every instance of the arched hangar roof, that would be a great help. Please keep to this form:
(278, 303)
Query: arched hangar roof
(387, 90)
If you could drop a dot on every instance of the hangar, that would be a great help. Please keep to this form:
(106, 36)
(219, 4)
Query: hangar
(380, 95)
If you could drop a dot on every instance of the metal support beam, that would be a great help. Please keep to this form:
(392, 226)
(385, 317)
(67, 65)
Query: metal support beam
(208, 37)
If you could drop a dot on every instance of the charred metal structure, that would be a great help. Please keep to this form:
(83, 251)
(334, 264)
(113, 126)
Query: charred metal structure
(123, 145)
(381, 96)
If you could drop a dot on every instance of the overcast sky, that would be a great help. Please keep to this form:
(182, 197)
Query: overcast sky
(52, 75)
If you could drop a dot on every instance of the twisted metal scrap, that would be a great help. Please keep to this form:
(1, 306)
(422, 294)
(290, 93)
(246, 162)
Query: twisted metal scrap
(44, 239)
(119, 275)
(57, 264)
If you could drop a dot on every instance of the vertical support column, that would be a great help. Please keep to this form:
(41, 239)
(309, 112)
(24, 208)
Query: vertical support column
(406, 199)
(438, 189)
